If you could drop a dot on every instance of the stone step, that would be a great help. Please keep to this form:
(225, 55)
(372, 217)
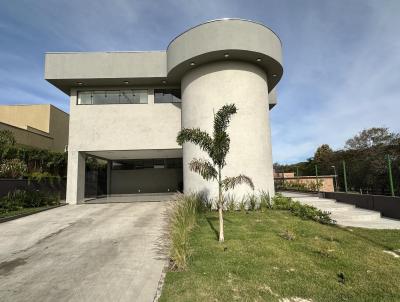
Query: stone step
(346, 214)
(356, 215)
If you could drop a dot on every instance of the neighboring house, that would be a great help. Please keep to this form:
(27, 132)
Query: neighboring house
(40, 126)
(127, 107)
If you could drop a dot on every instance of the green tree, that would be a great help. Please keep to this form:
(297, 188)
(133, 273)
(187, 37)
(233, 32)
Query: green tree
(6, 138)
(372, 137)
(217, 147)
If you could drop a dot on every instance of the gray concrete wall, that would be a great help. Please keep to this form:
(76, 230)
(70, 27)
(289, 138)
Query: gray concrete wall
(123, 126)
(205, 90)
(145, 181)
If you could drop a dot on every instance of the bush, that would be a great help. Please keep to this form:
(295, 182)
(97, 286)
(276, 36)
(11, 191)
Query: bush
(12, 168)
(19, 199)
(303, 211)
(265, 201)
(182, 219)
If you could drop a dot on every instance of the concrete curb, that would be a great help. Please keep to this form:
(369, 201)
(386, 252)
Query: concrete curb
(5, 219)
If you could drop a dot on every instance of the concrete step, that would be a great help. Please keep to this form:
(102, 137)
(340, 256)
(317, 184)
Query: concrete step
(356, 215)
(346, 214)
(334, 206)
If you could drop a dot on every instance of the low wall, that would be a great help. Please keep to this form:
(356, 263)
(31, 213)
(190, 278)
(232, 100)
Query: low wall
(326, 180)
(45, 186)
(388, 206)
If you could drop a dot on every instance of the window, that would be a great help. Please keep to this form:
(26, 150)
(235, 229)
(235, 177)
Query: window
(98, 97)
(138, 164)
(167, 96)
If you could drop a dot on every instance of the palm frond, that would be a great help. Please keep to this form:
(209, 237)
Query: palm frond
(195, 136)
(232, 182)
(220, 148)
(204, 168)
(222, 118)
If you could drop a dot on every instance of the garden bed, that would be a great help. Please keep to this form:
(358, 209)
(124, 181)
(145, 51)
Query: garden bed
(273, 255)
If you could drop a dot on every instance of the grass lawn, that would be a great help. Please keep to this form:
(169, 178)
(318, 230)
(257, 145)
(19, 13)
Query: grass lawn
(23, 211)
(256, 263)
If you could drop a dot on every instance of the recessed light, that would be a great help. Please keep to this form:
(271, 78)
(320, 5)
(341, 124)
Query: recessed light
(164, 82)
(126, 82)
(226, 55)
(192, 63)
(79, 83)
(258, 60)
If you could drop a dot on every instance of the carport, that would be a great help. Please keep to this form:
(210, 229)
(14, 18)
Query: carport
(137, 172)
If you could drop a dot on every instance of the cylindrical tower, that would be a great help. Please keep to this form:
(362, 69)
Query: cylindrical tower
(222, 62)
(204, 91)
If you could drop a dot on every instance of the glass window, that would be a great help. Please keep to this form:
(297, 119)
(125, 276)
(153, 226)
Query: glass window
(167, 96)
(85, 97)
(98, 97)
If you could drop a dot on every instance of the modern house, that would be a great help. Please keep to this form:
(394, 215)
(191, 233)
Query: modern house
(127, 107)
(40, 126)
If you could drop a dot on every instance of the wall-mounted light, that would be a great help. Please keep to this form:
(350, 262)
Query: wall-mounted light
(226, 55)
(192, 63)
(164, 82)
(258, 60)
(79, 83)
(126, 82)
(274, 75)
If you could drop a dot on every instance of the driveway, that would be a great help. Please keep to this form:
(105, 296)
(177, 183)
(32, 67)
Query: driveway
(89, 252)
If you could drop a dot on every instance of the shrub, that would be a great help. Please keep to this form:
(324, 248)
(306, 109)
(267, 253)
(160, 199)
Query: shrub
(182, 219)
(265, 201)
(6, 138)
(252, 202)
(230, 203)
(19, 199)
(12, 168)
(303, 211)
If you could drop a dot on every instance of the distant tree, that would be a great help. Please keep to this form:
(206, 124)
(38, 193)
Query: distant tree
(323, 153)
(217, 148)
(6, 138)
(372, 137)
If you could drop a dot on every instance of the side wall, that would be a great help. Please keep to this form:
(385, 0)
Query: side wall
(28, 138)
(59, 123)
(36, 116)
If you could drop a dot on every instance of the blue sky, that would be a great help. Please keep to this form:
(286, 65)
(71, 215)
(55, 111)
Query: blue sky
(341, 58)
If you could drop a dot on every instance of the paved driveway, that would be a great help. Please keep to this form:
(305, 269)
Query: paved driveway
(96, 252)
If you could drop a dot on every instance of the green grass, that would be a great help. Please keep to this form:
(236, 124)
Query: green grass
(257, 263)
(23, 211)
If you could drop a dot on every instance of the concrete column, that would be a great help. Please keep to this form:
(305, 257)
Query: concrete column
(109, 165)
(204, 91)
(76, 177)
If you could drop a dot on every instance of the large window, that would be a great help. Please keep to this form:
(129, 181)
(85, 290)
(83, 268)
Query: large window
(138, 164)
(167, 96)
(126, 96)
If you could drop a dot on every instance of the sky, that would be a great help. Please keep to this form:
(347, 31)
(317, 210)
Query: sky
(341, 58)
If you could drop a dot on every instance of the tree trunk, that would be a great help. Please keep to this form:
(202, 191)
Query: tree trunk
(220, 205)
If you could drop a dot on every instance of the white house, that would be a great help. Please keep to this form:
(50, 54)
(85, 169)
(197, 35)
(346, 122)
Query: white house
(127, 107)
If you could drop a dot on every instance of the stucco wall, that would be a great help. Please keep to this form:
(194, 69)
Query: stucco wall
(36, 116)
(123, 126)
(48, 122)
(27, 138)
(58, 125)
(204, 91)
